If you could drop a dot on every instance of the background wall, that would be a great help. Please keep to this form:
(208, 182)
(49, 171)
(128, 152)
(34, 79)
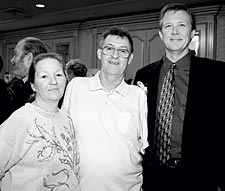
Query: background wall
(80, 40)
(220, 38)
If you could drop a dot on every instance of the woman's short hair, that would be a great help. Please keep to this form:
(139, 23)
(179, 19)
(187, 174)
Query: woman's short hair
(40, 57)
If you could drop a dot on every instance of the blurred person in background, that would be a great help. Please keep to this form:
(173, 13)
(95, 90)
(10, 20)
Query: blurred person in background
(75, 68)
(24, 53)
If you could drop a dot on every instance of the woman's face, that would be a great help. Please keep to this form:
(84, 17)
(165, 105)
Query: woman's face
(49, 80)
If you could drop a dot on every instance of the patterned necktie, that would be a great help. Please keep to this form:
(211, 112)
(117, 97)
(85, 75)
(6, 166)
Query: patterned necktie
(165, 115)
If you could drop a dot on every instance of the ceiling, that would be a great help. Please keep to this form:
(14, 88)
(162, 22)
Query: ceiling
(22, 14)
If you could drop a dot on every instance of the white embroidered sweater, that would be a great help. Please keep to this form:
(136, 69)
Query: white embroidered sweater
(38, 151)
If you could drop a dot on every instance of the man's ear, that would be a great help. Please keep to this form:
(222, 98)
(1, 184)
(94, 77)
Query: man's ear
(130, 58)
(193, 33)
(29, 58)
(99, 53)
(160, 34)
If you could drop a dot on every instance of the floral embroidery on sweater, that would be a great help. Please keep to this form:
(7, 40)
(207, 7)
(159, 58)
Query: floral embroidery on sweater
(63, 147)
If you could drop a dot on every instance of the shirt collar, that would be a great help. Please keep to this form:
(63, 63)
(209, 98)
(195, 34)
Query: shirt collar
(182, 64)
(25, 79)
(95, 85)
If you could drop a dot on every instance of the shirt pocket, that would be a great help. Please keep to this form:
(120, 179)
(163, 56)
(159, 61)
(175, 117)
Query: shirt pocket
(123, 122)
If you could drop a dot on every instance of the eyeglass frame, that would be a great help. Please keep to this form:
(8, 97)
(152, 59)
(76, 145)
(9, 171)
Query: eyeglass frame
(114, 49)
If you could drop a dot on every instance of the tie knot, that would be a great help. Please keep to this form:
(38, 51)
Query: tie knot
(172, 66)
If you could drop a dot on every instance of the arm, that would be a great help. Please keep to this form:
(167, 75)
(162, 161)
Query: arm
(12, 139)
(143, 119)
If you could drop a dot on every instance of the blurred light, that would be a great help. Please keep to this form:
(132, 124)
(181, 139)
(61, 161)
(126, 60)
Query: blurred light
(40, 5)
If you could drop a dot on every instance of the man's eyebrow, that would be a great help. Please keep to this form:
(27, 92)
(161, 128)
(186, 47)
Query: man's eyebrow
(124, 46)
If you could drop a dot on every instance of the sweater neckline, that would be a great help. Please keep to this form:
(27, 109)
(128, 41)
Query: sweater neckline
(43, 112)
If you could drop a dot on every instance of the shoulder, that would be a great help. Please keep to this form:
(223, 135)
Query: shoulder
(149, 67)
(3, 83)
(208, 70)
(21, 111)
(208, 66)
(64, 114)
(78, 82)
(144, 73)
(16, 82)
(77, 87)
(138, 91)
(24, 112)
(3, 87)
(18, 120)
(207, 60)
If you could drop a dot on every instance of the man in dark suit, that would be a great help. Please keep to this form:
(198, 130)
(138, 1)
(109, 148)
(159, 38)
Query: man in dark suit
(4, 100)
(19, 88)
(196, 148)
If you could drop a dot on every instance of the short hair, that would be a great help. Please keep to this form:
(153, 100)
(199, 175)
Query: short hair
(117, 31)
(77, 67)
(177, 7)
(40, 57)
(33, 45)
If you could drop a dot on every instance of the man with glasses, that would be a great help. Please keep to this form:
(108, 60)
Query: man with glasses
(110, 119)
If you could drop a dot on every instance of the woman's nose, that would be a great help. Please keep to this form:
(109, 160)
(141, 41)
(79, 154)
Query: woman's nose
(53, 80)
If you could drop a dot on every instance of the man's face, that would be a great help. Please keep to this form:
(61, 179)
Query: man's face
(176, 32)
(20, 66)
(115, 64)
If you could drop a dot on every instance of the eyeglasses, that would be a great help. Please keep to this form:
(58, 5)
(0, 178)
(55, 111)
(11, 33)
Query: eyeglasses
(109, 51)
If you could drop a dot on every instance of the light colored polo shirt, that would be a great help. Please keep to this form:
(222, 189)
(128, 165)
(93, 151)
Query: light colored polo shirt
(111, 130)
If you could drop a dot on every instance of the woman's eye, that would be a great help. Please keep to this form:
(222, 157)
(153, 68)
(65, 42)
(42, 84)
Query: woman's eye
(60, 74)
(44, 76)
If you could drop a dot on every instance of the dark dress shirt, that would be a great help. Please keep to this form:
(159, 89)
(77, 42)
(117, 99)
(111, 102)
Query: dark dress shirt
(181, 73)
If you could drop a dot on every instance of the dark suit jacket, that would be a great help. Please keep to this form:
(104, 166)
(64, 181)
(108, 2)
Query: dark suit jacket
(20, 93)
(4, 102)
(203, 145)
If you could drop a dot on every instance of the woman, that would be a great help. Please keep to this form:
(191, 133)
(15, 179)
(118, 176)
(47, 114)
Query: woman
(38, 149)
